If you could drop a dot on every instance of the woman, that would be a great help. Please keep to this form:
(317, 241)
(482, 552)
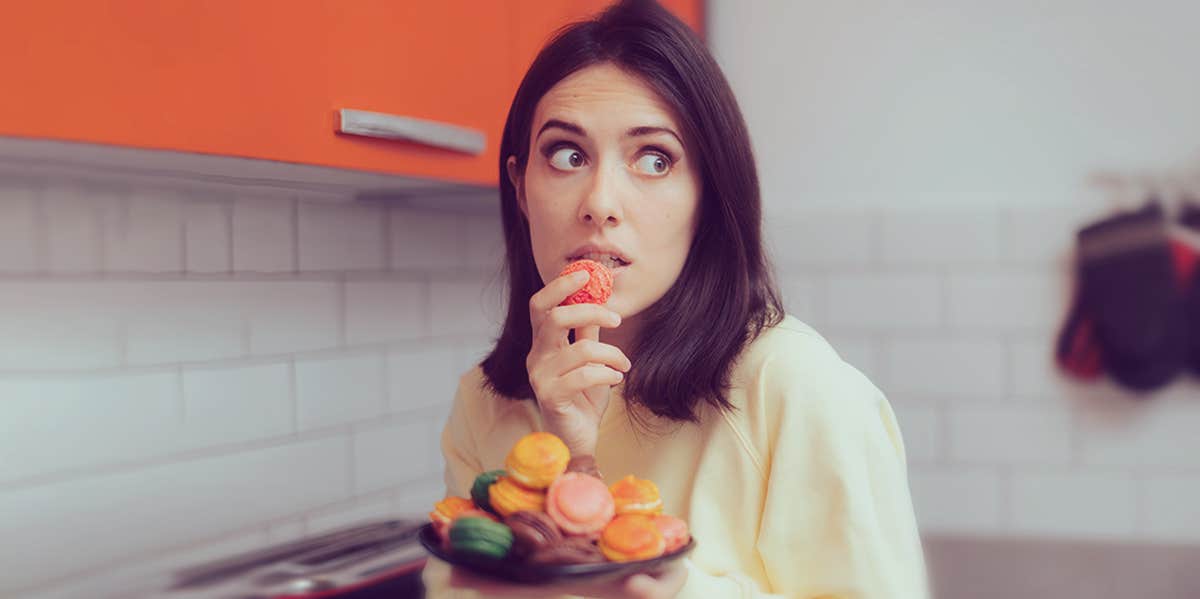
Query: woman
(624, 144)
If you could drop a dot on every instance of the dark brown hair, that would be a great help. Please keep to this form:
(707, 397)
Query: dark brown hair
(725, 296)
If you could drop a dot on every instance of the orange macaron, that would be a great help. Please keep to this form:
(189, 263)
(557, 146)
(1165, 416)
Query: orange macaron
(632, 537)
(507, 497)
(445, 511)
(636, 496)
(674, 531)
(537, 459)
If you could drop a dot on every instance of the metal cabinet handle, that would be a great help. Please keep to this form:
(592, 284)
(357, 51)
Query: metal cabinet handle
(430, 133)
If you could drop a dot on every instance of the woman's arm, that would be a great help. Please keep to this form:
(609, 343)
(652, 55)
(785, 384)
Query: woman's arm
(838, 520)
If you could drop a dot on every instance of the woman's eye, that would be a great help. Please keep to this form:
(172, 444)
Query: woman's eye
(566, 159)
(654, 164)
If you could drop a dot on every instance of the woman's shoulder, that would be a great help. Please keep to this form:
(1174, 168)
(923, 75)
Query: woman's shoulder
(791, 362)
(476, 397)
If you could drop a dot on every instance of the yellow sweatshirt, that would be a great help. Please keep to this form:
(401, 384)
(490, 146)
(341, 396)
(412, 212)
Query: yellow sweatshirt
(801, 492)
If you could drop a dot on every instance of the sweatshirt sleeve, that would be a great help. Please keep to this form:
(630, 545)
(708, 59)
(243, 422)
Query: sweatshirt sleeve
(838, 520)
(462, 466)
(458, 437)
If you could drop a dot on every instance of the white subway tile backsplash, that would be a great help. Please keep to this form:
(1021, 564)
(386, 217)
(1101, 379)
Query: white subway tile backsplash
(354, 512)
(1157, 434)
(483, 242)
(341, 237)
(956, 500)
(1074, 504)
(232, 405)
(160, 508)
(1171, 508)
(47, 426)
(208, 238)
(387, 457)
(183, 321)
(381, 311)
(415, 497)
(945, 367)
(143, 232)
(1010, 434)
(821, 239)
(18, 230)
(290, 316)
(1041, 237)
(339, 390)
(263, 236)
(1033, 373)
(921, 426)
(74, 238)
(883, 301)
(942, 237)
(803, 297)
(423, 240)
(1029, 301)
(858, 351)
(423, 377)
(465, 308)
(60, 325)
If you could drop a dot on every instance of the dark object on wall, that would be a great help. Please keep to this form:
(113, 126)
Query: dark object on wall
(1190, 220)
(1127, 288)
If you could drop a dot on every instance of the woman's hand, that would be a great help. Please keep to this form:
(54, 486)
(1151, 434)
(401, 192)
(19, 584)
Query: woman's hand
(572, 380)
(660, 584)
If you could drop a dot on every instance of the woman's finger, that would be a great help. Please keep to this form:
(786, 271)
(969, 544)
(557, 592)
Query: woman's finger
(552, 331)
(586, 352)
(554, 293)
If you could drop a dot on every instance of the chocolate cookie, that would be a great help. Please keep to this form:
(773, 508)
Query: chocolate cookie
(572, 550)
(532, 531)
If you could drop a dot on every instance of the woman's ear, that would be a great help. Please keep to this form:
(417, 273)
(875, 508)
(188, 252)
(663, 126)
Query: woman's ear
(517, 179)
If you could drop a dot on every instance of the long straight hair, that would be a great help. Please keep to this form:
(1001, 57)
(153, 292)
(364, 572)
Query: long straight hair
(724, 296)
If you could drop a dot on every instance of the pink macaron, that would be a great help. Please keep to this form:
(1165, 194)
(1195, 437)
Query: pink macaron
(580, 504)
(674, 531)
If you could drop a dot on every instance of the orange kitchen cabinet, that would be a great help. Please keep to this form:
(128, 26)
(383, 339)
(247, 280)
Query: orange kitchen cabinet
(260, 78)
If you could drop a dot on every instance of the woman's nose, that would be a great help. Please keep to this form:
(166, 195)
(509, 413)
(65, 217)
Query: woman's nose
(601, 204)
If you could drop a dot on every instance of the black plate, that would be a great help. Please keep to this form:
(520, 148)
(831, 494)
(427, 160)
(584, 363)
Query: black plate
(514, 571)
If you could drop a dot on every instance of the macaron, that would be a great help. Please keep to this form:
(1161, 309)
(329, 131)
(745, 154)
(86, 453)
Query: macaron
(507, 497)
(674, 531)
(480, 536)
(636, 496)
(537, 459)
(446, 510)
(532, 531)
(570, 550)
(580, 504)
(631, 537)
(598, 288)
(479, 490)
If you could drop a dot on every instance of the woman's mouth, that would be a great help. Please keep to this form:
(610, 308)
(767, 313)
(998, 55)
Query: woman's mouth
(613, 263)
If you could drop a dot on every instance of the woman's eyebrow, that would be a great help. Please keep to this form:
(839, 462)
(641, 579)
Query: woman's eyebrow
(640, 131)
(634, 132)
(557, 124)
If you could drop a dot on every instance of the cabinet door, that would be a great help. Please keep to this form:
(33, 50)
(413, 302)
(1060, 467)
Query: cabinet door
(260, 78)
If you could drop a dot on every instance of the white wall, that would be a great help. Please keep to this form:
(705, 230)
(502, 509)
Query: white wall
(924, 167)
(184, 374)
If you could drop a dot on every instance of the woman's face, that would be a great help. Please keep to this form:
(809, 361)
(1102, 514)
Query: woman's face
(607, 179)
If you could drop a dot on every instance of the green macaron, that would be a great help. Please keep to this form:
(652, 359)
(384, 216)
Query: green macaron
(479, 490)
(480, 536)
